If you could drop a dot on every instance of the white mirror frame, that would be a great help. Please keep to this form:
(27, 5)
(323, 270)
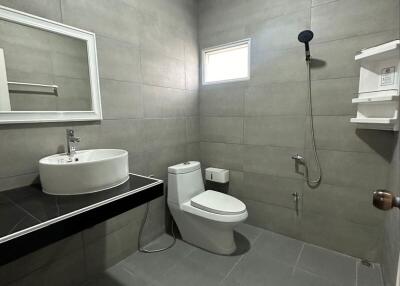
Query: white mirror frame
(57, 116)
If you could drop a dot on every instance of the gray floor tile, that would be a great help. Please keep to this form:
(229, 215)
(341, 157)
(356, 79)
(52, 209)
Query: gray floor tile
(249, 231)
(328, 264)
(303, 278)
(155, 265)
(212, 263)
(272, 260)
(368, 276)
(118, 276)
(278, 247)
(193, 273)
(259, 270)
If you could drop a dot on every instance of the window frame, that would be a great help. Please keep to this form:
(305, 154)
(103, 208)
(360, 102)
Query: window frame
(225, 46)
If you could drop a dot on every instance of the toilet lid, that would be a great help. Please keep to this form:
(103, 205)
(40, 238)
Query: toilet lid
(218, 203)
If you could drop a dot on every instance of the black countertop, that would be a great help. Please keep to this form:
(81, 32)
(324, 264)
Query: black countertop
(27, 210)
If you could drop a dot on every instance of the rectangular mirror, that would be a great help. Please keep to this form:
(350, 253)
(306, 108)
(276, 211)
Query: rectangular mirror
(48, 71)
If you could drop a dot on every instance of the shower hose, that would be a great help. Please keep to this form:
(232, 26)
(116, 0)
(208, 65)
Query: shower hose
(312, 182)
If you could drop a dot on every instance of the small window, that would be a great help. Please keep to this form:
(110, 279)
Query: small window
(230, 62)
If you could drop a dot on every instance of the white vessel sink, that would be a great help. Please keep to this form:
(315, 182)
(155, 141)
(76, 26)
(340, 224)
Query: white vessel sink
(89, 171)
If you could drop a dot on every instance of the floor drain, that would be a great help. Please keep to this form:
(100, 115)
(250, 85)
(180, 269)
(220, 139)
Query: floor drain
(366, 263)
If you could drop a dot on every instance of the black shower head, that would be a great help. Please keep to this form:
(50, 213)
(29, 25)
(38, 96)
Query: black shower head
(305, 37)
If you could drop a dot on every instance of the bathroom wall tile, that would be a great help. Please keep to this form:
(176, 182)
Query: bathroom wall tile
(275, 161)
(337, 234)
(161, 158)
(287, 98)
(192, 74)
(118, 61)
(9, 183)
(163, 102)
(121, 99)
(351, 169)
(156, 220)
(333, 96)
(221, 129)
(277, 8)
(105, 252)
(236, 183)
(272, 217)
(269, 189)
(288, 66)
(164, 132)
(160, 70)
(103, 229)
(355, 204)
(215, 38)
(192, 103)
(267, 35)
(70, 66)
(351, 18)
(49, 9)
(193, 152)
(161, 37)
(279, 131)
(322, 2)
(26, 59)
(222, 99)
(335, 59)
(74, 95)
(222, 155)
(66, 272)
(131, 139)
(192, 129)
(351, 138)
(114, 20)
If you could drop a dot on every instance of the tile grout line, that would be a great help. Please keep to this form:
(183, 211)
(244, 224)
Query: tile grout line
(357, 263)
(239, 260)
(298, 258)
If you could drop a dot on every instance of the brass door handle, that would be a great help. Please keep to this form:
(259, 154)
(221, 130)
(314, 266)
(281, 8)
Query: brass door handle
(385, 200)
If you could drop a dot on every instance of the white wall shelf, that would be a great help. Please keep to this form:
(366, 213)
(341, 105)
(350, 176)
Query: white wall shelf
(378, 96)
(381, 52)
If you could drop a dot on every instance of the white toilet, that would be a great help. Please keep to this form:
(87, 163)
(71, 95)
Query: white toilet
(205, 218)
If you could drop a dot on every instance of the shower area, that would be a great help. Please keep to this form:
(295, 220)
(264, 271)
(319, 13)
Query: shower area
(262, 129)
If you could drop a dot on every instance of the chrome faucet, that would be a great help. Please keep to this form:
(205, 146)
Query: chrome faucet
(298, 158)
(71, 139)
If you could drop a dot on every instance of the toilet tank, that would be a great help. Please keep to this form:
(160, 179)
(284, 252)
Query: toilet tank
(184, 182)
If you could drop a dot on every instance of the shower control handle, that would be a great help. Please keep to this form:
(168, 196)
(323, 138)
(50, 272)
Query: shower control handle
(385, 200)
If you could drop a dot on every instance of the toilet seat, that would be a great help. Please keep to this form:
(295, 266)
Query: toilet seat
(218, 203)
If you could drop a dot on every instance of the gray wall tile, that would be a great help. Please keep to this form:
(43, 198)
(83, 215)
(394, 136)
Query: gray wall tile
(161, 70)
(278, 131)
(118, 61)
(287, 98)
(352, 18)
(121, 99)
(221, 129)
(222, 99)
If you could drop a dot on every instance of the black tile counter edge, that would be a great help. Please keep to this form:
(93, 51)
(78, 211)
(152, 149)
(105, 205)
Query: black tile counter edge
(25, 244)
